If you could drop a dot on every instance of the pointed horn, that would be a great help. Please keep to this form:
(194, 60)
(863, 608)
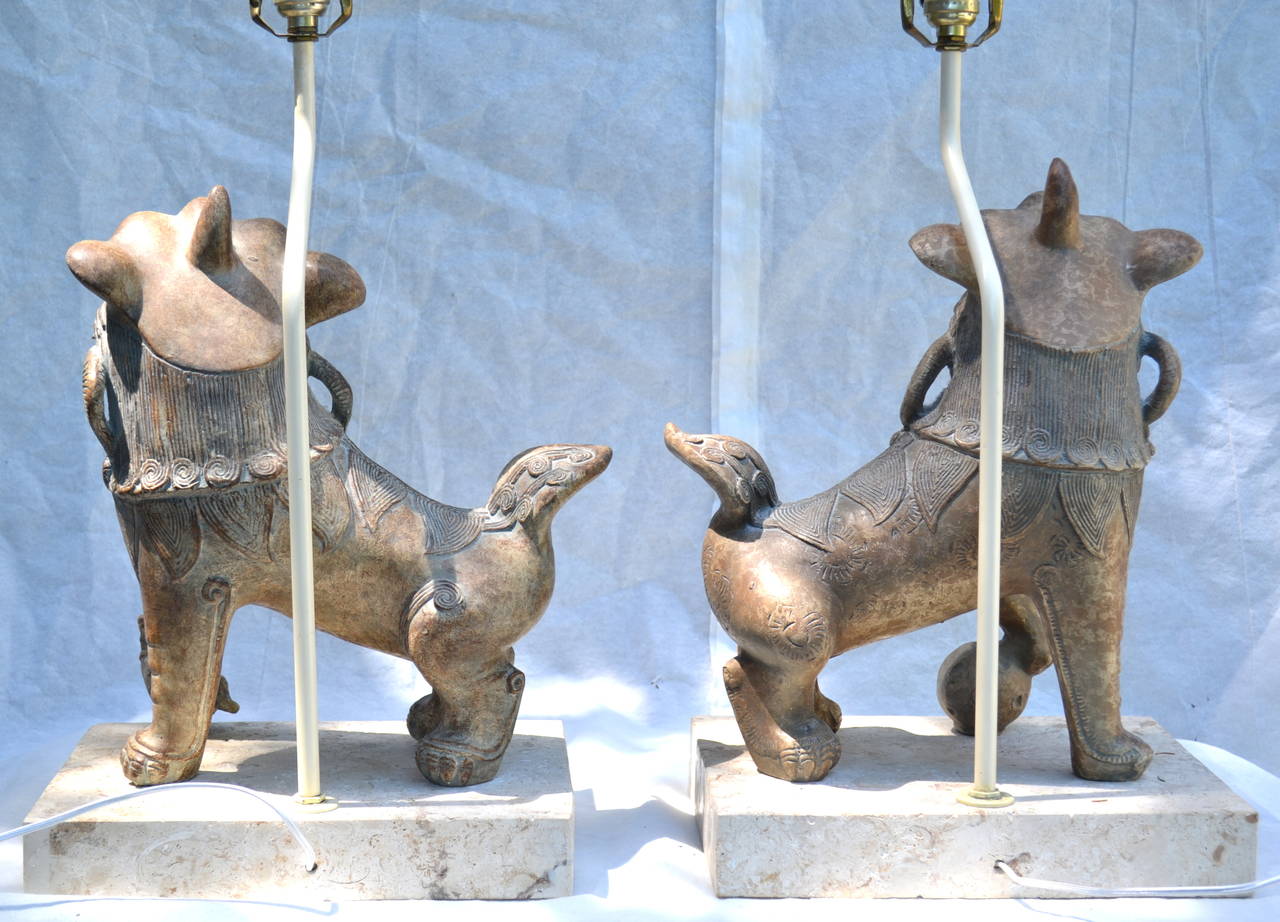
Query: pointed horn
(210, 248)
(1059, 225)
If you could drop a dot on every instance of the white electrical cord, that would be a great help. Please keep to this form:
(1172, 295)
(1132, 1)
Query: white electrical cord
(293, 308)
(1081, 890)
(991, 426)
(308, 853)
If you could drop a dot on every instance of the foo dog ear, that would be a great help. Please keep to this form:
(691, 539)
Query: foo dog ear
(108, 272)
(333, 287)
(943, 249)
(211, 249)
(1161, 254)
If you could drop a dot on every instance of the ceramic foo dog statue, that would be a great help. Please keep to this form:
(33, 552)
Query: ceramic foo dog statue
(893, 547)
(184, 389)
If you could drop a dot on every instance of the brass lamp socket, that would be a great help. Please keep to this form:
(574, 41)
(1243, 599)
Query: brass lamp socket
(951, 21)
(302, 18)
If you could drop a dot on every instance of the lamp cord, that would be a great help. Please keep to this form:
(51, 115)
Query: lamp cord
(1081, 890)
(308, 853)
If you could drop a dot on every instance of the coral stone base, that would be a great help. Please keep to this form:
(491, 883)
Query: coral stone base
(885, 822)
(394, 835)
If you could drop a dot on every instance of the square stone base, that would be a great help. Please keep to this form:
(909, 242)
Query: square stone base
(394, 835)
(885, 822)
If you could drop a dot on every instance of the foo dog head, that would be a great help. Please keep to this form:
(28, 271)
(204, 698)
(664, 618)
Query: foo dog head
(1070, 280)
(203, 290)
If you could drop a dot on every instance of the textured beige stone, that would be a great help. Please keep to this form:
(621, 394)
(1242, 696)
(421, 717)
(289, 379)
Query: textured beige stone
(394, 835)
(885, 822)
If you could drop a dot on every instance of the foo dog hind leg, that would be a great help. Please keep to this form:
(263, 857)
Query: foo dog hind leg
(464, 726)
(185, 629)
(1084, 608)
(786, 734)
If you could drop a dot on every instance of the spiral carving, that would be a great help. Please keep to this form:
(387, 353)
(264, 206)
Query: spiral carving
(443, 595)
(266, 464)
(506, 499)
(446, 595)
(152, 475)
(1084, 451)
(185, 473)
(1040, 445)
(216, 589)
(221, 471)
(968, 434)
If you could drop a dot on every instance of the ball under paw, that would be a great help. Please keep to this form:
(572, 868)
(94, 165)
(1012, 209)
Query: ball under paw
(957, 680)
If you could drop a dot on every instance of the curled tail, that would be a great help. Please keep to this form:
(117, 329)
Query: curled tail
(734, 470)
(537, 482)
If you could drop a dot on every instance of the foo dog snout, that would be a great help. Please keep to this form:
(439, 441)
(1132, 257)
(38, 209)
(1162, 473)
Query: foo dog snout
(183, 387)
(892, 548)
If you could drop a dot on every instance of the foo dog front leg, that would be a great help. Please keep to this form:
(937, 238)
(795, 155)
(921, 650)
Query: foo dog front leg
(184, 629)
(784, 641)
(1083, 604)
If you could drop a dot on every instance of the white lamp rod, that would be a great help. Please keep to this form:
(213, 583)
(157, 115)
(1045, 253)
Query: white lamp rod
(303, 18)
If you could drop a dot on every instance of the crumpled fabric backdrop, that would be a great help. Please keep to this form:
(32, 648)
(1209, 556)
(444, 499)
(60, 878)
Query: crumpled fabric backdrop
(527, 188)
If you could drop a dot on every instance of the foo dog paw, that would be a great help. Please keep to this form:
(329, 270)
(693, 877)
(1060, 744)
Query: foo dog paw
(424, 716)
(809, 756)
(144, 765)
(451, 766)
(1123, 759)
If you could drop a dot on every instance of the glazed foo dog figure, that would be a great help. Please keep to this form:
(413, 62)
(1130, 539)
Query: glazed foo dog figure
(184, 389)
(893, 547)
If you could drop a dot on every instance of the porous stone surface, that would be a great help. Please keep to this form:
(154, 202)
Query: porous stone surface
(393, 836)
(885, 822)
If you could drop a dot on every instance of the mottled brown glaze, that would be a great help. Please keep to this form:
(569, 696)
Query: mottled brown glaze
(893, 547)
(184, 388)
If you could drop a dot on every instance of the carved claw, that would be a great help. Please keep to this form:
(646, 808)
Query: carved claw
(811, 758)
(452, 767)
(145, 765)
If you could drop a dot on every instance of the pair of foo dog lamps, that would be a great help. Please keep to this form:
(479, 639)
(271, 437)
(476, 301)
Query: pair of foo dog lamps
(182, 387)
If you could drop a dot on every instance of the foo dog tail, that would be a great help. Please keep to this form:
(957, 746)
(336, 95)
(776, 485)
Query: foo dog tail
(734, 470)
(536, 483)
